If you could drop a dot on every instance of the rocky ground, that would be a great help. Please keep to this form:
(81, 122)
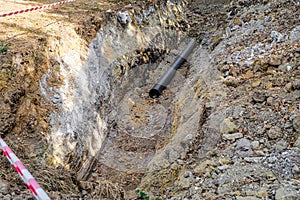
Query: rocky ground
(247, 142)
(256, 51)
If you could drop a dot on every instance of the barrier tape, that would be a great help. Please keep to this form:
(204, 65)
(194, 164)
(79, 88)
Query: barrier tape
(35, 8)
(28, 179)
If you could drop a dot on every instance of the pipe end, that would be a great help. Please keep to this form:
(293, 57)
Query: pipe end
(153, 93)
(156, 91)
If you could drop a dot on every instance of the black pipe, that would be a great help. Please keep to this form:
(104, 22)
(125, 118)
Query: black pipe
(168, 76)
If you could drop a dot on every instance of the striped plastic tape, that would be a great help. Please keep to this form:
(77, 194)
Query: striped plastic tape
(35, 8)
(28, 179)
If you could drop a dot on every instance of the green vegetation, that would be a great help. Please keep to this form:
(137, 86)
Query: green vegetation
(142, 194)
(4, 48)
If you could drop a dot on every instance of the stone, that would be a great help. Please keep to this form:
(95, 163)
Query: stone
(84, 192)
(238, 112)
(255, 83)
(188, 174)
(296, 123)
(286, 193)
(203, 167)
(262, 193)
(244, 148)
(295, 34)
(253, 159)
(259, 97)
(232, 136)
(297, 143)
(287, 67)
(275, 60)
(255, 144)
(223, 167)
(295, 170)
(274, 132)
(296, 85)
(260, 153)
(227, 126)
(225, 161)
(4, 188)
(276, 36)
(281, 145)
(185, 180)
(270, 101)
(124, 17)
(270, 176)
(175, 166)
(288, 87)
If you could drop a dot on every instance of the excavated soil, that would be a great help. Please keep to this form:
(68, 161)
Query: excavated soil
(230, 132)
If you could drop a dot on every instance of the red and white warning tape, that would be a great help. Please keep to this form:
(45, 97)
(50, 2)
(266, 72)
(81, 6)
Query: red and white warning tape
(28, 179)
(35, 8)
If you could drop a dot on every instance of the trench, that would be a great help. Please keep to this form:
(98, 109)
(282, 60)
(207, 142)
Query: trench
(106, 124)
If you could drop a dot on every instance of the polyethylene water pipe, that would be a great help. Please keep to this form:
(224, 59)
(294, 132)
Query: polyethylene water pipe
(168, 75)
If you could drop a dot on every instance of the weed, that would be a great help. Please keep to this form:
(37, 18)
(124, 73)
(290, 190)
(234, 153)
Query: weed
(142, 195)
(4, 48)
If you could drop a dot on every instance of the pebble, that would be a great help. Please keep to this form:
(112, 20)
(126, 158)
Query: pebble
(244, 148)
(238, 112)
(276, 36)
(274, 132)
(227, 126)
(185, 180)
(174, 166)
(232, 136)
(124, 17)
(225, 161)
(188, 174)
(204, 167)
(275, 61)
(270, 176)
(259, 97)
(296, 85)
(255, 83)
(297, 143)
(295, 170)
(262, 193)
(255, 144)
(288, 87)
(84, 192)
(270, 101)
(281, 145)
(296, 123)
(223, 167)
(289, 68)
(4, 188)
(260, 153)
(253, 159)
